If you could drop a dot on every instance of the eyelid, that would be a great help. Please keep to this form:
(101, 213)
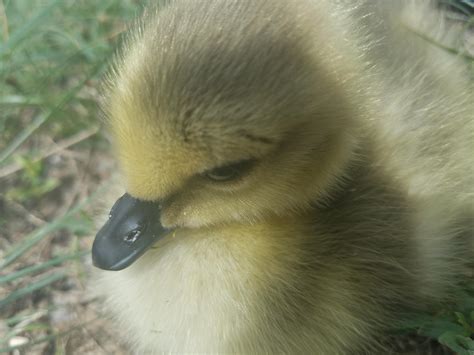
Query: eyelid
(239, 165)
(242, 167)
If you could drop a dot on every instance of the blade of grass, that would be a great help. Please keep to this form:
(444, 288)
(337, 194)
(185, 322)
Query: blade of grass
(453, 51)
(64, 144)
(35, 268)
(45, 338)
(10, 322)
(24, 325)
(34, 60)
(18, 100)
(42, 118)
(39, 234)
(3, 16)
(31, 26)
(33, 126)
(21, 292)
(34, 238)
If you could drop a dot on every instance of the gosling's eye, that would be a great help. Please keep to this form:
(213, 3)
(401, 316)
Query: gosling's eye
(229, 172)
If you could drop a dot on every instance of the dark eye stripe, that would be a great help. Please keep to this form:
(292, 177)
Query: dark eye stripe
(255, 138)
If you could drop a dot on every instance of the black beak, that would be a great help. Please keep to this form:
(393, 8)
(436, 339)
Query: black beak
(133, 227)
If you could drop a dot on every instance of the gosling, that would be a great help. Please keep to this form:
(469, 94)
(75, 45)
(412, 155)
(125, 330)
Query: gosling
(298, 176)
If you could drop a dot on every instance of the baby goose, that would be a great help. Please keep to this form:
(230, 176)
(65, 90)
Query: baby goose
(294, 183)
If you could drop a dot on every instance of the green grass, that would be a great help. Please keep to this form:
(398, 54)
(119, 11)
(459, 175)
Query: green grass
(52, 55)
(452, 325)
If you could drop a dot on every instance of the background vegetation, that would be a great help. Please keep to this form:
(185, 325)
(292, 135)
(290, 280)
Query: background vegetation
(54, 162)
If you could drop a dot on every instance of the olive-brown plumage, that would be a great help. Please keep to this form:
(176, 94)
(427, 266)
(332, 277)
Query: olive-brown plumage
(314, 185)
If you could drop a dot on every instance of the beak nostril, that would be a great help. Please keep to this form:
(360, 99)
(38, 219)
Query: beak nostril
(133, 235)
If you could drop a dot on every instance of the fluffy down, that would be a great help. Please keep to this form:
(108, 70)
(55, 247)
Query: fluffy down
(356, 207)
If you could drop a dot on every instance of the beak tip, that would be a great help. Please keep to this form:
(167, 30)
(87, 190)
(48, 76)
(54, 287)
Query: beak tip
(104, 259)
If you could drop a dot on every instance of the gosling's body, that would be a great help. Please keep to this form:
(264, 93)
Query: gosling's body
(358, 204)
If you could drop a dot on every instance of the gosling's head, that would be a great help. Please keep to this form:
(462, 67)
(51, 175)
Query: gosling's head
(229, 112)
